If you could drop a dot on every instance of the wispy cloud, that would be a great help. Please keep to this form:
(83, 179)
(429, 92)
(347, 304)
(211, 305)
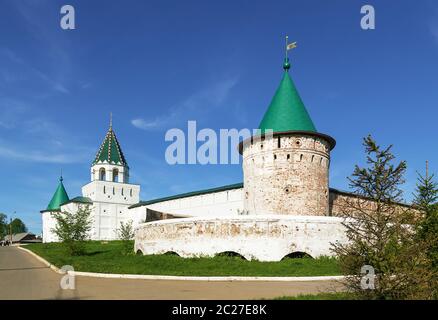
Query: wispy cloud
(36, 139)
(200, 102)
(52, 48)
(149, 124)
(14, 58)
(38, 156)
(11, 110)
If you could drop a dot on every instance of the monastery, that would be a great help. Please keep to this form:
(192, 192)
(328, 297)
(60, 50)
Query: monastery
(284, 207)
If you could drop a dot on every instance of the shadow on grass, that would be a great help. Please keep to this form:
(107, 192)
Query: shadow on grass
(94, 253)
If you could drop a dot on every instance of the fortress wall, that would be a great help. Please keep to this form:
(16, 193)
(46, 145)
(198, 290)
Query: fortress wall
(265, 238)
(342, 202)
(221, 203)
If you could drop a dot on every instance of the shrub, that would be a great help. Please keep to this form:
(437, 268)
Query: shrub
(72, 229)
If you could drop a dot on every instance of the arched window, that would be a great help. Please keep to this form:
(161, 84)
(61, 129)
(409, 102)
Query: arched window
(115, 175)
(102, 175)
(130, 192)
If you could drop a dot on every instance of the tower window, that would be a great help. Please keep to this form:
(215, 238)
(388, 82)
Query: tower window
(115, 175)
(278, 142)
(104, 189)
(288, 156)
(102, 175)
(275, 157)
(122, 191)
(114, 191)
(130, 192)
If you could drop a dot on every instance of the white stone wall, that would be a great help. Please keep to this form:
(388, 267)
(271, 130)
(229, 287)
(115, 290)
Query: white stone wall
(112, 192)
(222, 203)
(265, 238)
(110, 206)
(49, 223)
(287, 175)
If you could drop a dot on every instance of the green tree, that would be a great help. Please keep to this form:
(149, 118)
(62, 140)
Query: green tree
(380, 232)
(3, 226)
(426, 197)
(18, 226)
(126, 234)
(72, 229)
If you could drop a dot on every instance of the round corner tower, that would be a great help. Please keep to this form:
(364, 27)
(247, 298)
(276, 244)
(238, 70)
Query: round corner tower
(286, 166)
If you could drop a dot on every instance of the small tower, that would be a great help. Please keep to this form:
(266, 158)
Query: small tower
(54, 207)
(287, 172)
(109, 189)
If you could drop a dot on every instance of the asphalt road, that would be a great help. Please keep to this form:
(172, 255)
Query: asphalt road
(24, 277)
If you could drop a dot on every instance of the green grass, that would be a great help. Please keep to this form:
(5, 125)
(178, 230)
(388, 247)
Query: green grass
(320, 296)
(107, 258)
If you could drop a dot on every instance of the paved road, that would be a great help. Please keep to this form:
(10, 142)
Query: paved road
(24, 277)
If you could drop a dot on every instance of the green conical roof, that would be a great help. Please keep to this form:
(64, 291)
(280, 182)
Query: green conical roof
(287, 111)
(58, 198)
(110, 151)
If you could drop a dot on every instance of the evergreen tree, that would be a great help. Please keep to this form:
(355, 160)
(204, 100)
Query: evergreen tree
(379, 233)
(426, 198)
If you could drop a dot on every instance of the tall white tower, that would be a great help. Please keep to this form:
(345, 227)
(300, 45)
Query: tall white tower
(109, 189)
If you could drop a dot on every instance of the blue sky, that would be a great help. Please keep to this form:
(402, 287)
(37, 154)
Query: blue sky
(162, 63)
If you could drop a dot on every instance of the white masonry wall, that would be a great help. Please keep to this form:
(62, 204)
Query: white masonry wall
(49, 223)
(260, 237)
(110, 206)
(222, 203)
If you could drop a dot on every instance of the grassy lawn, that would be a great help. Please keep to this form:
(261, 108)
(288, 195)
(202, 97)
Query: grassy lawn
(107, 258)
(320, 296)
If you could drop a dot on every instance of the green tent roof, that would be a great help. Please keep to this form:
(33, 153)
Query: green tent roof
(287, 111)
(110, 151)
(58, 198)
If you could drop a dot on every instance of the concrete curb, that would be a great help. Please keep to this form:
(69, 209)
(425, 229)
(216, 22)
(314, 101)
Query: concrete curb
(44, 261)
(182, 278)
